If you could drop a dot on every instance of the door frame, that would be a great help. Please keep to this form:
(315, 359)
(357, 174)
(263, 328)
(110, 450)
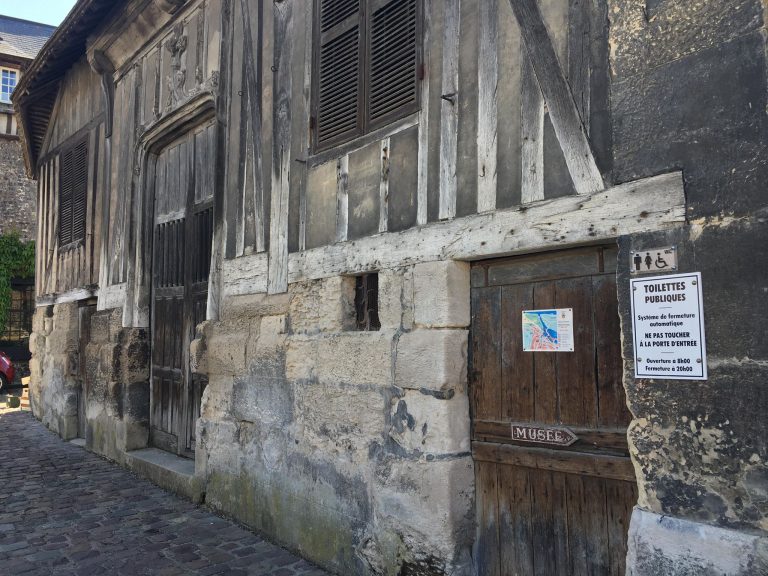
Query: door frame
(198, 111)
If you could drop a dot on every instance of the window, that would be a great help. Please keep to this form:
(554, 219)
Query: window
(366, 66)
(73, 193)
(8, 80)
(367, 302)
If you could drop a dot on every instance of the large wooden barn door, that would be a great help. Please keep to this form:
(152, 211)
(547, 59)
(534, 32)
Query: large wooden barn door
(181, 264)
(544, 507)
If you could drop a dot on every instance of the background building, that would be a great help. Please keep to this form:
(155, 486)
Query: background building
(20, 41)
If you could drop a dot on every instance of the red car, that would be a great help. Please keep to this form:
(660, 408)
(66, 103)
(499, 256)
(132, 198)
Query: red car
(6, 370)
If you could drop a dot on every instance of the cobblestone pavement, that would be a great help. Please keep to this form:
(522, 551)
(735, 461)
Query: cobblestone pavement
(65, 511)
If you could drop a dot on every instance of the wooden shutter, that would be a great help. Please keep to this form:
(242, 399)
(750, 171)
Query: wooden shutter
(79, 190)
(65, 198)
(338, 79)
(73, 193)
(393, 60)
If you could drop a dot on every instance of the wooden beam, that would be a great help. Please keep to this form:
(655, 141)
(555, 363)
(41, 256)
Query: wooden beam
(532, 130)
(487, 116)
(281, 164)
(342, 198)
(384, 186)
(449, 110)
(568, 126)
(656, 203)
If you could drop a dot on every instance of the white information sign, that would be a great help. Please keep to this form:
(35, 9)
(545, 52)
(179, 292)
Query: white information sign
(668, 327)
(548, 330)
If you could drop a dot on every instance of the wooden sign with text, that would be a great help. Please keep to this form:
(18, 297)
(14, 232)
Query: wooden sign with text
(548, 435)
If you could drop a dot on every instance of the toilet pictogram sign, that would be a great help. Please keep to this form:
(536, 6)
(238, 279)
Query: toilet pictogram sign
(653, 260)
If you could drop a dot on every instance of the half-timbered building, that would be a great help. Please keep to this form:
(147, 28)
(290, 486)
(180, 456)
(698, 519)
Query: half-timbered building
(284, 250)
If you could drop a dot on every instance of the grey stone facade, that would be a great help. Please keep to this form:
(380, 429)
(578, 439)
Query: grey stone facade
(18, 193)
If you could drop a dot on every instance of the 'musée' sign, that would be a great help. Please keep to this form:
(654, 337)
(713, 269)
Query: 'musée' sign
(550, 435)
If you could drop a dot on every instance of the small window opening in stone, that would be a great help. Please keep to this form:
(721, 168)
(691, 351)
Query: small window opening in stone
(367, 302)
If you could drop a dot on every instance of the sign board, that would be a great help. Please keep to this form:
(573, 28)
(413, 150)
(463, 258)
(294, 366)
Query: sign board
(548, 330)
(550, 435)
(668, 327)
(653, 260)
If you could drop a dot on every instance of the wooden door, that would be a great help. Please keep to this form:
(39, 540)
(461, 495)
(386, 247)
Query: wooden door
(183, 234)
(544, 509)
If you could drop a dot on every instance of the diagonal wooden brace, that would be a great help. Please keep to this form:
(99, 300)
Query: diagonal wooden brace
(568, 126)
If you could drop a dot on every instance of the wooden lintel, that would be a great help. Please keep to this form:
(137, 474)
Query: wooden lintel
(566, 121)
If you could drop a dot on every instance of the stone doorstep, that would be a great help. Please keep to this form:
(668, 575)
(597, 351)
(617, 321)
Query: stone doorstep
(168, 471)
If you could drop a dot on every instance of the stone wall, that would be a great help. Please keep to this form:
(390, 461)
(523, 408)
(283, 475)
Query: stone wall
(349, 447)
(689, 92)
(54, 386)
(116, 386)
(113, 381)
(18, 194)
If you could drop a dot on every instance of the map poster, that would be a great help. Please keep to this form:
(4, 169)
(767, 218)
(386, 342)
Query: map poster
(668, 327)
(548, 330)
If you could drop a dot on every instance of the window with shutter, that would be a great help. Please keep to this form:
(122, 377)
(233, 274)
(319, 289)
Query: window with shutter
(73, 193)
(367, 58)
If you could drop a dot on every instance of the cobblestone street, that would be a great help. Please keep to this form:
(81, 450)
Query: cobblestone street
(65, 511)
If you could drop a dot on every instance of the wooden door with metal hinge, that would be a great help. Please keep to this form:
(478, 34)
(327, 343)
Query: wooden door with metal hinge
(547, 504)
(183, 233)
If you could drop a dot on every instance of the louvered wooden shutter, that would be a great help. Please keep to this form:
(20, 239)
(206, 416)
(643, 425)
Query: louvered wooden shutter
(393, 61)
(65, 198)
(79, 190)
(338, 90)
(73, 193)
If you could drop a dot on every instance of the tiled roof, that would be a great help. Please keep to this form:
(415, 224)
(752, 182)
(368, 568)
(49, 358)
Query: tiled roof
(22, 38)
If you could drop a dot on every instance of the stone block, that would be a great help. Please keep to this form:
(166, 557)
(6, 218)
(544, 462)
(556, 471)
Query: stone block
(226, 352)
(660, 545)
(432, 360)
(325, 305)
(340, 420)
(396, 298)
(429, 503)
(100, 322)
(426, 424)
(441, 294)
(363, 358)
(254, 305)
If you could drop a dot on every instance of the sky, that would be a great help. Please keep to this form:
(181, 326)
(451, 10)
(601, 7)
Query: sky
(46, 11)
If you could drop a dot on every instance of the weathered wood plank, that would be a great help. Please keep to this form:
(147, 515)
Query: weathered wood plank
(278, 243)
(300, 124)
(562, 108)
(532, 130)
(487, 116)
(433, 59)
(449, 111)
(517, 397)
(488, 560)
(422, 185)
(577, 393)
(486, 352)
(254, 201)
(342, 198)
(598, 465)
(385, 149)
